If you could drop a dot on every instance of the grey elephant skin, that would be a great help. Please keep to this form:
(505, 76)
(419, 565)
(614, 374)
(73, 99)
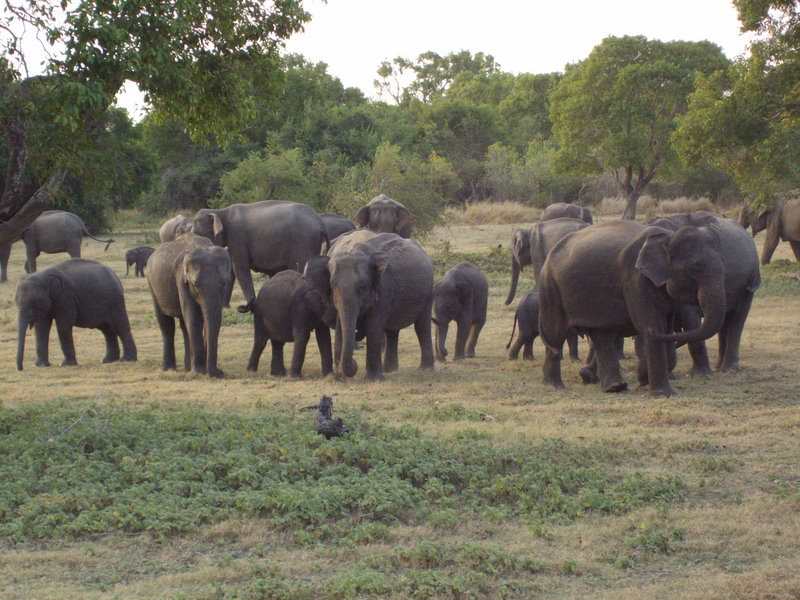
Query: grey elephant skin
(336, 225)
(624, 278)
(380, 283)
(530, 246)
(267, 237)
(559, 210)
(75, 293)
(55, 231)
(461, 295)
(175, 226)
(287, 309)
(384, 215)
(137, 257)
(527, 318)
(5, 254)
(190, 280)
(781, 223)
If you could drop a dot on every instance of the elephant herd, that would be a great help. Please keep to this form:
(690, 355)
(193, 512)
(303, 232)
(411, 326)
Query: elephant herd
(675, 280)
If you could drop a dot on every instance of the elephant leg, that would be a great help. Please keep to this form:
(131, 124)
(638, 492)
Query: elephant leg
(527, 352)
(657, 366)
(193, 319)
(375, 340)
(513, 350)
(551, 369)
(300, 336)
(462, 332)
(112, 345)
(167, 326)
(796, 249)
(730, 336)
(572, 344)
(390, 360)
(30, 262)
(260, 339)
(472, 339)
(323, 335)
(422, 327)
(588, 372)
(605, 342)
(277, 367)
(187, 347)
(42, 330)
(64, 329)
(768, 249)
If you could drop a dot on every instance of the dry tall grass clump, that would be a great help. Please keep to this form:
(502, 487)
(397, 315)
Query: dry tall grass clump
(648, 207)
(483, 213)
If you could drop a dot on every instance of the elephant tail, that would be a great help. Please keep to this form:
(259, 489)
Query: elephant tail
(513, 329)
(553, 321)
(107, 242)
(325, 243)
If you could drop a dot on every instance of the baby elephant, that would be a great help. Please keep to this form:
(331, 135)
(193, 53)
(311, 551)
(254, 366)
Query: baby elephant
(138, 257)
(461, 296)
(287, 309)
(76, 293)
(527, 317)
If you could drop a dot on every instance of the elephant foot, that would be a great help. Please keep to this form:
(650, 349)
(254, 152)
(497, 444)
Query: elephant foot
(441, 358)
(216, 373)
(734, 368)
(246, 308)
(527, 357)
(588, 375)
(132, 358)
(556, 385)
(700, 372)
(69, 363)
(616, 387)
(42, 363)
(664, 392)
(110, 359)
(278, 372)
(295, 374)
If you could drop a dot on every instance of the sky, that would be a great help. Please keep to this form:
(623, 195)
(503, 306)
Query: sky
(524, 36)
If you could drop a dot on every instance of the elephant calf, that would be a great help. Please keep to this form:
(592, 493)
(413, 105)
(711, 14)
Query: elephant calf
(461, 296)
(76, 293)
(527, 317)
(191, 280)
(288, 309)
(137, 257)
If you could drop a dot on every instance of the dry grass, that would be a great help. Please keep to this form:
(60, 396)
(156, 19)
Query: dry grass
(479, 213)
(732, 438)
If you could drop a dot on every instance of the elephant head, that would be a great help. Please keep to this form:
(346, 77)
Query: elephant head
(449, 300)
(690, 266)
(520, 257)
(755, 221)
(355, 288)
(384, 215)
(209, 223)
(36, 298)
(318, 276)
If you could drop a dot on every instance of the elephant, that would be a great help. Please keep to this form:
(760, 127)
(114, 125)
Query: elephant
(461, 295)
(336, 225)
(287, 309)
(781, 223)
(137, 257)
(380, 283)
(384, 215)
(76, 293)
(625, 278)
(560, 210)
(527, 316)
(5, 254)
(172, 228)
(191, 280)
(267, 237)
(55, 231)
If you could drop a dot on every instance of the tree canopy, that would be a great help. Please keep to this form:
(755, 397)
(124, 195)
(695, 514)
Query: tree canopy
(616, 110)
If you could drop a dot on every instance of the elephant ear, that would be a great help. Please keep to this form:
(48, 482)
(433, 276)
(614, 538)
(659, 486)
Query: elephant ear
(520, 240)
(217, 225)
(362, 216)
(405, 222)
(313, 300)
(653, 259)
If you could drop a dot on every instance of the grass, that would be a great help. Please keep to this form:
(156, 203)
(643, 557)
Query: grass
(471, 481)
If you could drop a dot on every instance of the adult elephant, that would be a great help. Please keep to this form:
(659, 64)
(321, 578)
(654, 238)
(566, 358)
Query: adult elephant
(530, 245)
(75, 293)
(336, 225)
(559, 210)
(267, 237)
(384, 215)
(5, 254)
(624, 278)
(191, 280)
(781, 223)
(172, 228)
(55, 231)
(380, 283)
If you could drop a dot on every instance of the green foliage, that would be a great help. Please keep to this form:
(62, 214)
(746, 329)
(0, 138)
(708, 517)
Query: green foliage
(645, 540)
(274, 176)
(70, 472)
(779, 278)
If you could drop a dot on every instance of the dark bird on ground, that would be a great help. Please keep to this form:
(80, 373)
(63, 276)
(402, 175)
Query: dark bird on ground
(325, 423)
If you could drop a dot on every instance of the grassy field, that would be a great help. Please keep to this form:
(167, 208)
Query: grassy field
(471, 481)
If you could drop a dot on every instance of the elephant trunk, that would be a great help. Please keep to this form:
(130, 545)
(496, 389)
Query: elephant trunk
(212, 315)
(347, 309)
(441, 338)
(24, 322)
(711, 297)
(515, 270)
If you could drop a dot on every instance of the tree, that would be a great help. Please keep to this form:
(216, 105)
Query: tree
(746, 120)
(617, 109)
(195, 60)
